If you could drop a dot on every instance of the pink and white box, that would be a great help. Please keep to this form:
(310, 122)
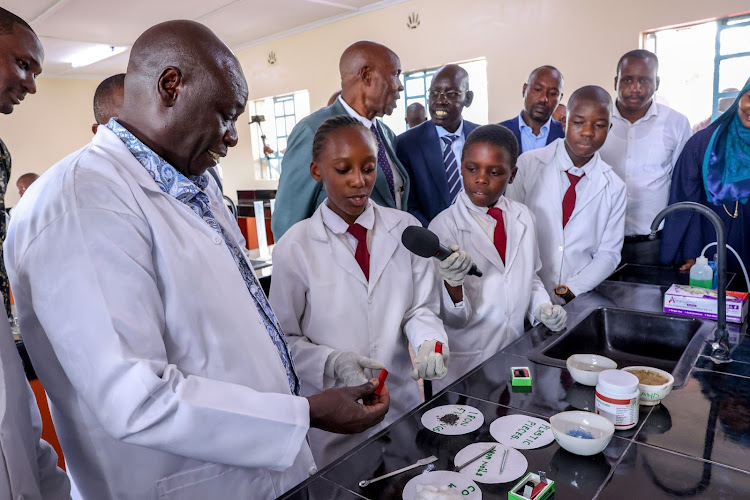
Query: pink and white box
(702, 303)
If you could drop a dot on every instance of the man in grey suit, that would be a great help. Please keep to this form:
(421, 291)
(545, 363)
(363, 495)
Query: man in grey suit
(370, 87)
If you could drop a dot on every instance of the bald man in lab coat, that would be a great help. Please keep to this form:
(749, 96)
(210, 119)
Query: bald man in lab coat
(168, 375)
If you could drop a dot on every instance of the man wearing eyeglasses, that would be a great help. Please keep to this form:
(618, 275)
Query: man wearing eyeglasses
(431, 152)
(534, 127)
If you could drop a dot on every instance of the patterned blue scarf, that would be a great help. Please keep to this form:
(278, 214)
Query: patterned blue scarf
(190, 191)
(726, 164)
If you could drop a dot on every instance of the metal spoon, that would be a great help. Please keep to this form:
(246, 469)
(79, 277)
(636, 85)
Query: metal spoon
(459, 467)
(505, 457)
(419, 463)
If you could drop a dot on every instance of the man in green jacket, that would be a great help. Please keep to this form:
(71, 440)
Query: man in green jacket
(370, 87)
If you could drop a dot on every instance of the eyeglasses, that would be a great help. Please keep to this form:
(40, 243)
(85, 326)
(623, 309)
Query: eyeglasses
(451, 95)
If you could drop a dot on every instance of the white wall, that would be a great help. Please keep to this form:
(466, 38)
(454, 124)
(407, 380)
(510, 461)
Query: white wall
(583, 38)
(47, 126)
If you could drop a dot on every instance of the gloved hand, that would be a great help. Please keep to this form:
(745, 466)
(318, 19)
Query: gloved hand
(431, 365)
(557, 300)
(349, 367)
(553, 317)
(455, 267)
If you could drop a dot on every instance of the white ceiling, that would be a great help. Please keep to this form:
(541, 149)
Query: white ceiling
(68, 26)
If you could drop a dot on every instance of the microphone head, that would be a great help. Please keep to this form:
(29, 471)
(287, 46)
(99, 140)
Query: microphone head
(421, 241)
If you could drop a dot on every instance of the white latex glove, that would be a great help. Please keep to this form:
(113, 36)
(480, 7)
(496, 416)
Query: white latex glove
(349, 367)
(455, 267)
(553, 317)
(431, 365)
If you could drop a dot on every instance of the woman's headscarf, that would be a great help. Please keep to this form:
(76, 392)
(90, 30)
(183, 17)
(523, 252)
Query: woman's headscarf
(726, 164)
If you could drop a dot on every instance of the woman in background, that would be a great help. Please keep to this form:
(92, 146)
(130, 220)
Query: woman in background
(713, 170)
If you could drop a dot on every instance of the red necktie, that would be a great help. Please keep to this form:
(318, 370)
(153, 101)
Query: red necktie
(569, 200)
(361, 255)
(501, 239)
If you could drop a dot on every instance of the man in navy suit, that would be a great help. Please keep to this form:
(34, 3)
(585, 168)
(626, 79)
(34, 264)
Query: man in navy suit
(431, 152)
(534, 127)
(370, 87)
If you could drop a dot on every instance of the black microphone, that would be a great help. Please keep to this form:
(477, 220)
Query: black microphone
(425, 243)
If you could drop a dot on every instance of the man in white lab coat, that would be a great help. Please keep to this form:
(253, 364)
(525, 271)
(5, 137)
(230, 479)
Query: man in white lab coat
(168, 375)
(28, 465)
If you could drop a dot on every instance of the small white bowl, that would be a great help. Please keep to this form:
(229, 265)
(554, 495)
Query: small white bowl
(653, 394)
(585, 368)
(582, 423)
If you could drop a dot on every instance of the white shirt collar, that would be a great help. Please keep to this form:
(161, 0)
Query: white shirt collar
(459, 131)
(367, 123)
(502, 204)
(653, 110)
(337, 225)
(565, 164)
(522, 124)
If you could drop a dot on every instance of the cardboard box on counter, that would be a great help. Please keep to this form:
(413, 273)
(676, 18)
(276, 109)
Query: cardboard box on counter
(702, 303)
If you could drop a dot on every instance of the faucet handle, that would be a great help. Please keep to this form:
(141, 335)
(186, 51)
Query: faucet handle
(720, 347)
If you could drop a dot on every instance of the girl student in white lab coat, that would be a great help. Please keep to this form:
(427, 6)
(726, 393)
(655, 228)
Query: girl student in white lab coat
(344, 311)
(580, 228)
(484, 314)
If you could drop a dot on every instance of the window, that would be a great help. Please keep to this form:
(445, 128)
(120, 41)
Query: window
(280, 114)
(700, 64)
(416, 84)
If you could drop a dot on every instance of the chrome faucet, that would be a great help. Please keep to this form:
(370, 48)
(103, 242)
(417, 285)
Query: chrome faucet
(720, 345)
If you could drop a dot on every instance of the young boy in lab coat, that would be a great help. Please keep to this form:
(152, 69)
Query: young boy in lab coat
(577, 199)
(483, 315)
(348, 295)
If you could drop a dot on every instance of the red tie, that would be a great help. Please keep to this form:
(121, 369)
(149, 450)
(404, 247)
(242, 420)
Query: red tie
(501, 239)
(361, 255)
(569, 200)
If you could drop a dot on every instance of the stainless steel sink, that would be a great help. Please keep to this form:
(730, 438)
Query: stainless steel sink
(630, 338)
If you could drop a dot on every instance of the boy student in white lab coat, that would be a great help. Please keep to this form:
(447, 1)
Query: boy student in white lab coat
(349, 296)
(483, 315)
(577, 199)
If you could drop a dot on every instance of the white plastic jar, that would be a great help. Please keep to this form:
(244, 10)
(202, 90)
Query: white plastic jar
(617, 398)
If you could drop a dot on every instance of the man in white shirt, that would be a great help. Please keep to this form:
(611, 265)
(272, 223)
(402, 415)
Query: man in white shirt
(168, 374)
(370, 87)
(643, 146)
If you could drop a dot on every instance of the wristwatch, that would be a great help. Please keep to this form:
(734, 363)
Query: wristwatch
(564, 293)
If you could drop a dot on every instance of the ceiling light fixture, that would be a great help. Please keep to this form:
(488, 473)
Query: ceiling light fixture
(338, 5)
(93, 54)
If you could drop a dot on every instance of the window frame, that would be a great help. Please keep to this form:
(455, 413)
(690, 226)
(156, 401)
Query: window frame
(420, 74)
(269, 167)
(722, 24)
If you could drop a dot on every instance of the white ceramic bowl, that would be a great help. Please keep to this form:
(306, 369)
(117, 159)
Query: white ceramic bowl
(582, 423)
(652, 394)
(585, 368)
